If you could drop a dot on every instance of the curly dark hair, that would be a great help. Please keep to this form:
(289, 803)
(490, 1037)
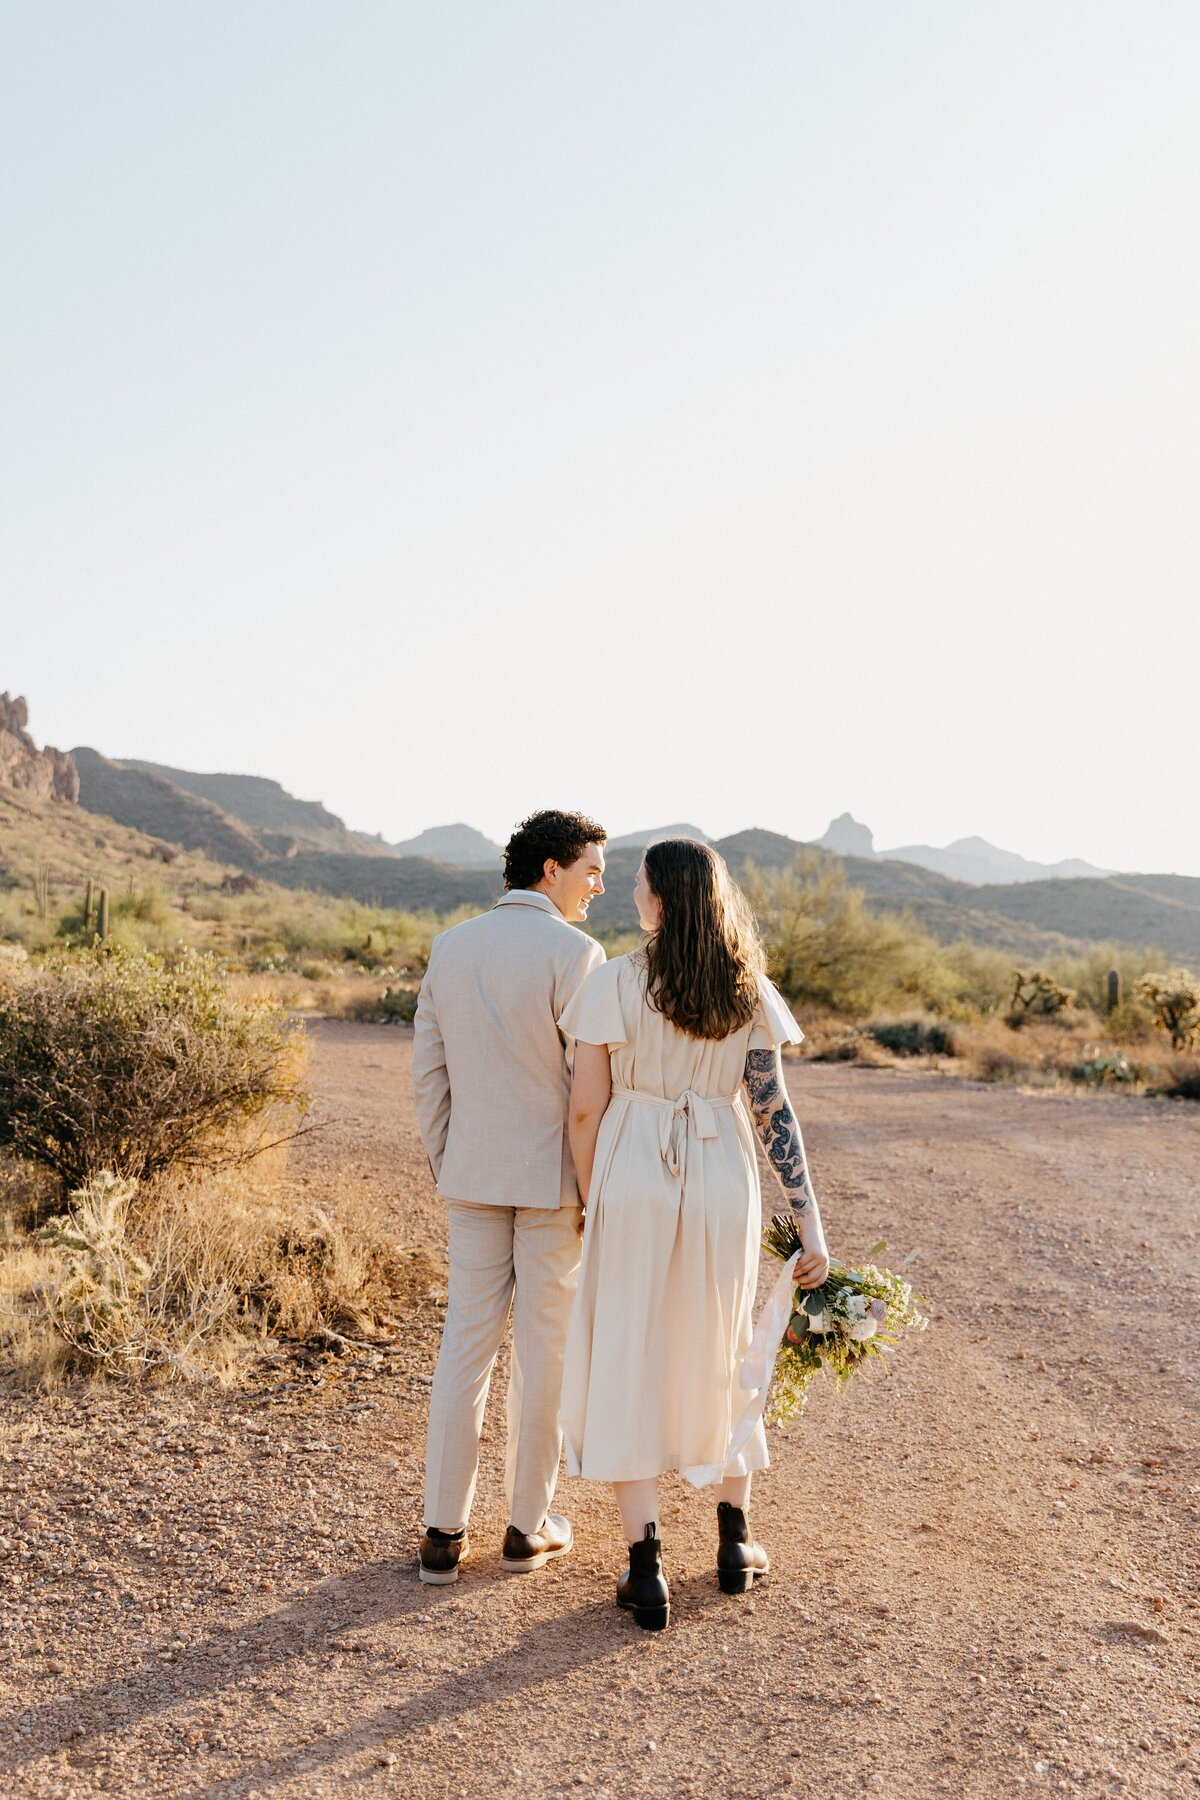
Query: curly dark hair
(544, 836)
(704, 960)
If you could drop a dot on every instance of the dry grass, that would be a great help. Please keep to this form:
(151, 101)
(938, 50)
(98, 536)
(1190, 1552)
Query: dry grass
(350, 995)
(238, 1263)
(1071, 1050)
(829, 1038)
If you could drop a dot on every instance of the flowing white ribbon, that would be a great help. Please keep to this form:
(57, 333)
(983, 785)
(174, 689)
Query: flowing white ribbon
(759, 1359)
(755, 1373)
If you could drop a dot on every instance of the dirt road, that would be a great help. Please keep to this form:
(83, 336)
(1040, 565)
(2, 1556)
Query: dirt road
(981, 1576)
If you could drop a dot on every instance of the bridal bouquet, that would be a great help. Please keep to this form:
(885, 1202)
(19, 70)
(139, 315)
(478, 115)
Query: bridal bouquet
(855, 1314)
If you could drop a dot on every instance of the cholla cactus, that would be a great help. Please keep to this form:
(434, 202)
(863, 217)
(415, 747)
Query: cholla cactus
(95, 1305)
(1175, 1001)
(1035, 992)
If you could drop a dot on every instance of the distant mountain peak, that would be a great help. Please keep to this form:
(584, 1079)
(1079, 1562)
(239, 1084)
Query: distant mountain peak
(848, 837)
(977, 844)
(460, 846)
(640, 840)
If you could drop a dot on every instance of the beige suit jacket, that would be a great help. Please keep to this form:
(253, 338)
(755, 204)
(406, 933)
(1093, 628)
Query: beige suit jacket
(491, 1069)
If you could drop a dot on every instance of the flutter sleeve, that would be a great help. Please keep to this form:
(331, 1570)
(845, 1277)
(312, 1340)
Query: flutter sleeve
(594, 1015)
(773, 1023)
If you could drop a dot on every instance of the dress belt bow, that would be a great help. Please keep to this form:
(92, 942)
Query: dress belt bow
(691, 1112)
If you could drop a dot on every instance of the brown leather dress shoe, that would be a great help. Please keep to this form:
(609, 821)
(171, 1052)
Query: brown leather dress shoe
(523, 1552)
(440, 1554)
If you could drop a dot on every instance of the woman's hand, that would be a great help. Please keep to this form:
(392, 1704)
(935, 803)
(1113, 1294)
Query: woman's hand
(812, 1270)
(591, 1091)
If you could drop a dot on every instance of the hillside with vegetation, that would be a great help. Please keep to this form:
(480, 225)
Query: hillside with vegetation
(239, 819)
(268, 889)
(267, 808)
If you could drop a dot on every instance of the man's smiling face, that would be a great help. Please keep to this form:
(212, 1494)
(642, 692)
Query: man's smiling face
(574, 886)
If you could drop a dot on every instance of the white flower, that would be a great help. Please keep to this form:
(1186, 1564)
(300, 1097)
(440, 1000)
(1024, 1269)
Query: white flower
(864, 1329)
(818, 1321)
(856, 1306)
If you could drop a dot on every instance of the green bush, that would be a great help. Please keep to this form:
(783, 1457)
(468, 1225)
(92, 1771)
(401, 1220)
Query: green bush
(823, 945)
(1182, 1080)
(1129, 1023)
(1087, 974)
(399, 1005)
(914, 1036)
(301, 926)
(115, 1060)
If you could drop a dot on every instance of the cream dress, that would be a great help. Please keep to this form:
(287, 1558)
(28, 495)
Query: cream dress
(663, 1313)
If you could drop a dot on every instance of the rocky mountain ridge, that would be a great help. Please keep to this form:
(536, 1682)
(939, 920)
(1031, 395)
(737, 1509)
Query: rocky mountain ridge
(283, 824)
(245, 820)
(299, 844)
(47, 774)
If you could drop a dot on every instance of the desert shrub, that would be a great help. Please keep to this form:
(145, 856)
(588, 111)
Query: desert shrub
(823, 945)
(1087, 973)
(115, 1060)
(845, 1045)
(1181, 1080)
(295, 927)
(140, 918)
(188, 1277)
(960, 981)
(1174, 1000)
(399, 1005)
(914, 1036)
(1035, 994)
(1129, 1023)
(991, 1062)
(20, 924)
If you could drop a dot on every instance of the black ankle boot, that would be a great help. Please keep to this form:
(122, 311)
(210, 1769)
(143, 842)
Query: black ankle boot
(740, 1561)
(643, 1589)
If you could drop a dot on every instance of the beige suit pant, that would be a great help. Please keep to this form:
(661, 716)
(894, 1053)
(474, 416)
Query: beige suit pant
(526, 1259)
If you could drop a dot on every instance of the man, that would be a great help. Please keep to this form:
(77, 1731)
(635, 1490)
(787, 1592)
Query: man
(492, 1082)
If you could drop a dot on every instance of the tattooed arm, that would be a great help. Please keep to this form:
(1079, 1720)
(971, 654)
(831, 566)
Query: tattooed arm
(779, 1130)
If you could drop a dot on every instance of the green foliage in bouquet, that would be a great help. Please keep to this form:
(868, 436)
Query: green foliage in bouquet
(856, 1314)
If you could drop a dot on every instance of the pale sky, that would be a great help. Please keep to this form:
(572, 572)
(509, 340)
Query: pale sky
(734, 413)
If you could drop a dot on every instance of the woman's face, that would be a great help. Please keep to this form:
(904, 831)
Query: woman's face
(649, 906)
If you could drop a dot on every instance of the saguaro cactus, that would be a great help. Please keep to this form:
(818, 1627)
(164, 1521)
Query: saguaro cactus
(89, 897)
(103, 925)
(1114, 989)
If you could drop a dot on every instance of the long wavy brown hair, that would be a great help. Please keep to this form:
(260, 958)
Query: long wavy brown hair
(704, 960)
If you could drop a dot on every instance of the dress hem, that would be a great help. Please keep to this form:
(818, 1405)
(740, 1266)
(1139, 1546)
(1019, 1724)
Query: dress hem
(699, 1475)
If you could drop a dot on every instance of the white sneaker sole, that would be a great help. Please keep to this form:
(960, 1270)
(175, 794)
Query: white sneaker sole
(525, 1565)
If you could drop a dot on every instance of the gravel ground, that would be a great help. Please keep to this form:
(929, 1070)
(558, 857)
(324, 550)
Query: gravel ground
(980, 1583)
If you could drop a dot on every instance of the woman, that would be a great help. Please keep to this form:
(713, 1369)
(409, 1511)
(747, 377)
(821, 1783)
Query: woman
(663, 1145)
